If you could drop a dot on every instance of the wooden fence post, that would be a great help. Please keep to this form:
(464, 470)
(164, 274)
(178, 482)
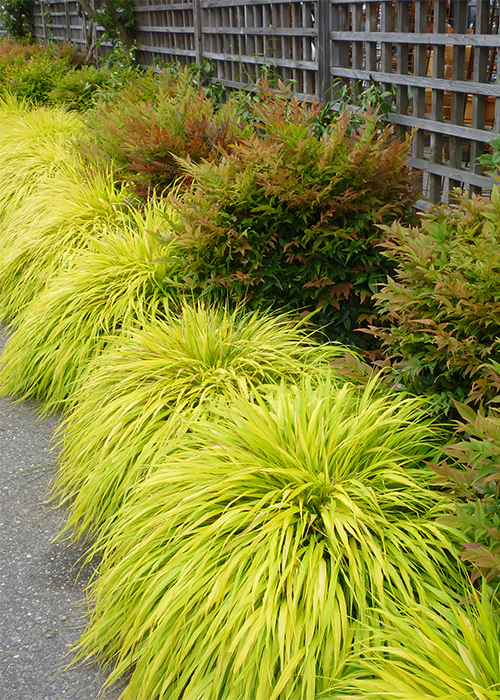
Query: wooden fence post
(68, 22)
(323, 49)
(198, 37)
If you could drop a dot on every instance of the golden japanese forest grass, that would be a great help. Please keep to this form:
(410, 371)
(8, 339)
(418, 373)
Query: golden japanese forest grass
(123, 274)
(33, 144)
(39, 238)
(451, 653)
(247, 560)
(145, 390)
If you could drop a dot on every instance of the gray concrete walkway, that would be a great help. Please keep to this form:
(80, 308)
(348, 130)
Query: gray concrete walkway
(41, 587)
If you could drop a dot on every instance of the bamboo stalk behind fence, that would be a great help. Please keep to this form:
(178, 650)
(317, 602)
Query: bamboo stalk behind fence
(438, 56)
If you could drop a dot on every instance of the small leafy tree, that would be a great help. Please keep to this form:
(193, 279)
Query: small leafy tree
(117, 18)
(17, 17)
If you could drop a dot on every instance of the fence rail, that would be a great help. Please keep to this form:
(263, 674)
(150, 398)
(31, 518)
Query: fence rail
(439, 56)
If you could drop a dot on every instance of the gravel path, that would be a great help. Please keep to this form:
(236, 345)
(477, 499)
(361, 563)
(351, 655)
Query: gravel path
(41, 586)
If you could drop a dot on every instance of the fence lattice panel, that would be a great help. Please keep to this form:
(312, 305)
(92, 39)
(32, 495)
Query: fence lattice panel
(440, 57)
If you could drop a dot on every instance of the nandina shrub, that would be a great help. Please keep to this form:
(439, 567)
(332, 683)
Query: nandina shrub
(442, 302)
(144, 138)
(290, 220)
(79, 89)
(472, 474)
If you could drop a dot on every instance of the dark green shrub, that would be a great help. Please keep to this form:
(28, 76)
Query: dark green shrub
(443, 302)
(290, 220)
(58, 75)
(78, 89)
(16, 16)
(31, 72)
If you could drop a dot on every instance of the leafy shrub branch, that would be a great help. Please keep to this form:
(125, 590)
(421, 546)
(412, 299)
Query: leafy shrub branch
(117, 18)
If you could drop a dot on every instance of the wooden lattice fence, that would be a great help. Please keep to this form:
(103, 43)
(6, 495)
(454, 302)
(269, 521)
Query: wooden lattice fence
(440, 57)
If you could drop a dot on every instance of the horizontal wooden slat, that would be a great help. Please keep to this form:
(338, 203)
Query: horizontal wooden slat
(167, 30)
(410, 38)
(207, 4)
(161, 49)
(261, 60)
(463, 132)
(163, 8)
(465, 86)
(261, 31)
(453, 173)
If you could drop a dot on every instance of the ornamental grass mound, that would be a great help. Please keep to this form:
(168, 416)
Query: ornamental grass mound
(66, 213)
(124, 276)
(451, 653)
(244, 563)
(144, 391)
(33, 143)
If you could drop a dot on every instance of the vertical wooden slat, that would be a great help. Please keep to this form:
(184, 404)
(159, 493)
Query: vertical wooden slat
(358, 53)
(386, 10)
(480, 76)
(372, 12)
(437, 107)
(419, 68)
(458, 100)
(326, 15)
(198, 36)
(403, 16)
(339, 17)
(68, 22)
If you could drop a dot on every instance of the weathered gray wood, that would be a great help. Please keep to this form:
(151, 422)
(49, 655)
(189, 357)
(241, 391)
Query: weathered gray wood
(386, 47)
(418, 38)
(465, 132)
(455, 175)
(358, 52)
(371, 46)
(139, 9)
(166, 51)
(437, 104)
(480, 76)
(403, 14)
(339, 21)
(414, 81)
(261, 60)
(323, 48)
(197, 29)
(249, 3)
(262, 31)
(169, 30)
(458, 100)
(419, 69)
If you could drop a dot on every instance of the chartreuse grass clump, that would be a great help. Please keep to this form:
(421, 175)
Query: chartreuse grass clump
(244, 563)
(124, 276)
(452, 653)
(66, 213)
(142, 392)
(33, 143)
